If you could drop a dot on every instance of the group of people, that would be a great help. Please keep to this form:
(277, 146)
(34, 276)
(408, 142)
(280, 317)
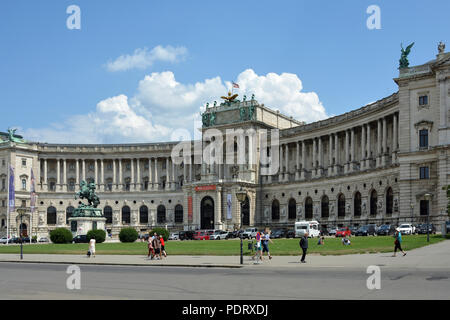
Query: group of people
(262, 245)
(156, 247)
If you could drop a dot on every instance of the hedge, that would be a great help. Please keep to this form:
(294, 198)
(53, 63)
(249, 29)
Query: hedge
(161, 232)
(61, 235)
(99, 235)
(128, 235)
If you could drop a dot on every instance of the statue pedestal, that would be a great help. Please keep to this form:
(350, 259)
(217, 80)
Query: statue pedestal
(85, 219)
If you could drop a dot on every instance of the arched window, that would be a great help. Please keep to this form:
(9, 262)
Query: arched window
(178, 213)
(107, 212)
(51, 216)
(275, 210)
(126, 215)
(69, 212)
(389, 201)
(325, 205)
(292, 209)
(373, 202)
(357, 204)
(341, 205)
(161, 214)
(143, 214)
(24, 184)
(308, 208)
(127, 184)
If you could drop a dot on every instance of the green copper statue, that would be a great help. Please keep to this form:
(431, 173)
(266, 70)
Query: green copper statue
(87, 191)
(404, 63)
(12, 136)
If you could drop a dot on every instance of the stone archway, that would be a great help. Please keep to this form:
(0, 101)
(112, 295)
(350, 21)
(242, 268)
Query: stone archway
(207, 213)
(246, 212)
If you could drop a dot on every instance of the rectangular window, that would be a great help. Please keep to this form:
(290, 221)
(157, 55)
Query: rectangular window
(424, 173)
(3, 203)
(423, 137)
(424, 207)
(24, 162)
(423, 100)
(3, 184)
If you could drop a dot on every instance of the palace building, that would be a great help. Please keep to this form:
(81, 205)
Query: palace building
(384, 163)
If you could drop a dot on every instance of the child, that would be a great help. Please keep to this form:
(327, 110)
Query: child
(151, 251)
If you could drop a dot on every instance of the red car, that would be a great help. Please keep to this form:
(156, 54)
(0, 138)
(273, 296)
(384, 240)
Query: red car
(343, 232)
(201, 235)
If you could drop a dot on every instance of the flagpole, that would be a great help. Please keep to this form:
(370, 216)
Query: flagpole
(7, 206)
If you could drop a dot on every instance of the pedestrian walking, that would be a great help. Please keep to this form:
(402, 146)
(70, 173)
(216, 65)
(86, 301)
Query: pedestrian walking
(163, 248)
(304, 245)
(92, 247)
(157, 246)
(265, 243)
(151, 251)
(398, 243)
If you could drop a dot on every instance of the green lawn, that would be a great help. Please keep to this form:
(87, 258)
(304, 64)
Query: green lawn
(332, 246)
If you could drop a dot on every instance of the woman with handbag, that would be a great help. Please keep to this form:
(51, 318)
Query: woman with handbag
(398, 243)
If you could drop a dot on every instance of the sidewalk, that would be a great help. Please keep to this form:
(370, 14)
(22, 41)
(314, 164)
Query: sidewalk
(433, 256)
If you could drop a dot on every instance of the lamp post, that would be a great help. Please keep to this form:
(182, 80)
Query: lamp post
(427, 198)
(21, 212)
(240, 195)
(412, 213)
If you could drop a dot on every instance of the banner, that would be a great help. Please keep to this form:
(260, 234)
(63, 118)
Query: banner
(229, 204)
(190, 208)
(12, 190)
(33, 193)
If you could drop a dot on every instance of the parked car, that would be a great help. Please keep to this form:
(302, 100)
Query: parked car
(386, 230)
(44, 240)
(14, 240)
(278, 233)
(174, 236)
(201, 235)
(406, 228)
(80, 239)
(218, 235)
(343, 232)
(27, 240)
(186, 235)
(422, 229)
(353, 230)
(250, 233)
(4, 240)
(290, 234)
(447, 224)
(366, 230)
(332, 231)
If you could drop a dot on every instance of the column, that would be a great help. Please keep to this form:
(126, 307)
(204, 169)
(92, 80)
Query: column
(174, 180)
(347, 152)
(96, 172)
(58, 174)
(102, 175)
(114, 174)
(352, 149)
(280, 177)
(64, 175)
(83, 170)
(314, 167)
(297, 161)
(379, 143)
(120, 187)
(286, 174)
(132, 180)
(320, 171)
(395, 140)
(363, 147)
(156, 181)
(185, 164)
(138, 174)
(336, 153)
(191, 166)
(150, 174)
(45, 176)
(168, 180)
(77, 172)
(384, 152)
(369, 155)
(302, 173)
(330, 155)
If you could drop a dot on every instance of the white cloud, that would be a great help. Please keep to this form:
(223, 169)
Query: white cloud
(143, 58)
(162, 105)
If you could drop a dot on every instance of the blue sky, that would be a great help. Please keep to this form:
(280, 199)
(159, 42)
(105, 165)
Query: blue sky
(52, 77)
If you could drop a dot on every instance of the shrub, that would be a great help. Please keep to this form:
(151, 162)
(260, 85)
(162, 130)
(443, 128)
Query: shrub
(161, 232)
(128, 235)
(61, 235)
(98, 235)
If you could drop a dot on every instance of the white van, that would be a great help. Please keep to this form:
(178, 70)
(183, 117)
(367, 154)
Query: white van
(312, 227)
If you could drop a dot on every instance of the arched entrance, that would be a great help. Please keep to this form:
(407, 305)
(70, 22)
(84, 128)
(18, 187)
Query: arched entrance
(246, 212)
(207, 213)
(23, 232)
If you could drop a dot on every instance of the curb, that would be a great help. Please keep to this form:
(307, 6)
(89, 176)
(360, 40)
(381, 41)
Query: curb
(126, 264)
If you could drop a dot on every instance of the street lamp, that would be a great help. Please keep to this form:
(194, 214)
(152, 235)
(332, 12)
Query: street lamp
(241, 195)
(412, 213)
(427, 198)
(21, 212)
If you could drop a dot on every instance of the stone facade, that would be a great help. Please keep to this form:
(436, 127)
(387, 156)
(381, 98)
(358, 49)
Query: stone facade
(371, 165)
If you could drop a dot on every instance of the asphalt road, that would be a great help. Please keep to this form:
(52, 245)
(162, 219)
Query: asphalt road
(42, 281)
